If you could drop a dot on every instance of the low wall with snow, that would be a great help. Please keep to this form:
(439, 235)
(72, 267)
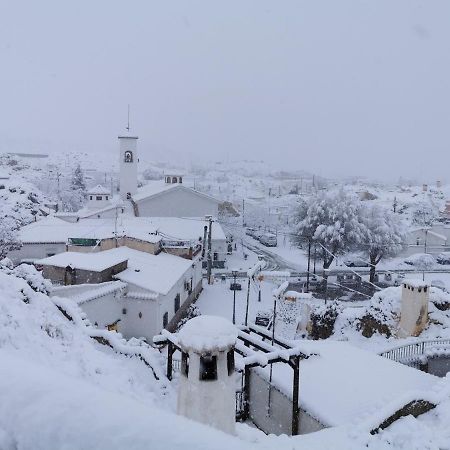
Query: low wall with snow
(439, 365)
(278, 418)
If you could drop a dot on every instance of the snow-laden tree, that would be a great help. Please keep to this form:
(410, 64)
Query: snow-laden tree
(385, 234)
(73, 194)
(77, 183)
(332, 220)
(9, 237)
(423, 214)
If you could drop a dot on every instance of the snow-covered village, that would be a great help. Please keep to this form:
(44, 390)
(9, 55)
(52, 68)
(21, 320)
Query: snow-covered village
(224, 225)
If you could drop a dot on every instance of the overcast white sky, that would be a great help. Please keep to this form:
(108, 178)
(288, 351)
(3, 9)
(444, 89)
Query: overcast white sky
(333, 86)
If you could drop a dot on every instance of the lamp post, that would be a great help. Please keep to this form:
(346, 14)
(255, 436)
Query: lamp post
(234, 273)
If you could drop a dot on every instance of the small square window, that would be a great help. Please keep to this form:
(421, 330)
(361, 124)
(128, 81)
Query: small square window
(99, 197)
(208, 367)
(124, 310)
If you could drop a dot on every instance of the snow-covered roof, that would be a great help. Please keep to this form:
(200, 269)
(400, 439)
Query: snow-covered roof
(95, 262)
(80, 295)
(153, 188)
(155, 273)
(54, 230)
(187, 229)
(99, 190)
(298, 295)
(343, 383)
(207, 334)
(416, 283)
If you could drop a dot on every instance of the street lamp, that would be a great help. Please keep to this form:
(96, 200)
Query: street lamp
(234, 273)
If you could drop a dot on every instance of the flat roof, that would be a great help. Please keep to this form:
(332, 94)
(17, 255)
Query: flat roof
(95, 262)
(343, 383)
(155, 273)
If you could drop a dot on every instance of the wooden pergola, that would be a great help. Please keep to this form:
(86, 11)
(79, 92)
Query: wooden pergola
(257, 348)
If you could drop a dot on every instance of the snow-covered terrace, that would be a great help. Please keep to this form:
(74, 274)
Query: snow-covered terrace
(341, 384)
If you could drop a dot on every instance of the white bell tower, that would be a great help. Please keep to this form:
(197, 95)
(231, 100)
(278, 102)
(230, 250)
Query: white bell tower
(128, 164)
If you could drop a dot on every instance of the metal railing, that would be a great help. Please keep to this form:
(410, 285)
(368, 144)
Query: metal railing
(412, 354)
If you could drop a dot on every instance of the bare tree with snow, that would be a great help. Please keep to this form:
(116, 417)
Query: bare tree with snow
(332, 221)
(385, 234)
(9, 238)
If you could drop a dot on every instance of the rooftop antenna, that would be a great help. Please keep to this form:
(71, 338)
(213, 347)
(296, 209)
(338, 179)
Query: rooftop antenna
(128, 122)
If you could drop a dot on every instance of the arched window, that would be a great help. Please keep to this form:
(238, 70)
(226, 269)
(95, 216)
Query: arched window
(128, 157)
(165, 319)
(174, 179)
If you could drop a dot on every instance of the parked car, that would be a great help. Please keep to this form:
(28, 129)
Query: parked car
(250, 231)
(269, 240)
(443, 258)
(421, 261)
(356, 262)
(263, 318)
(257, 234)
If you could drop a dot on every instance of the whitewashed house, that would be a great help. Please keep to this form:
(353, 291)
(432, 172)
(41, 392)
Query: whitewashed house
(182, 237)
(433, 240)
(152, 292)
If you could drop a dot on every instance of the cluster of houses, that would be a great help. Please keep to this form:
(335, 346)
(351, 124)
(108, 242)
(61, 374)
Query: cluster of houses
(132, 262)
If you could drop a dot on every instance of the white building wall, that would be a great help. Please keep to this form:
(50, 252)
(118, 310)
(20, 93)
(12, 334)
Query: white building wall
(140, 318)
(128, 170)
(178, 202)
(104, 311)
(35, 251)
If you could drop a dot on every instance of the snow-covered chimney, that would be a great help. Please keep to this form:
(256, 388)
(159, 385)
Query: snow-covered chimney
(207, 386)
(438, 184)
(414, 308)
(424, 187)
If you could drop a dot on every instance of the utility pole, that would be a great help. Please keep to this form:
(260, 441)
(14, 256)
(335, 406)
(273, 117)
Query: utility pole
(309, 264)
(243, 213)
(205, 232)
(234, 272)
(210, 220)
(315, 253)
(248, 300)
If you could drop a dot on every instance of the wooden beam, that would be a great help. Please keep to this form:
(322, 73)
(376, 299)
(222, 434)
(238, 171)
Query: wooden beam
(170, 351)
(295, 394)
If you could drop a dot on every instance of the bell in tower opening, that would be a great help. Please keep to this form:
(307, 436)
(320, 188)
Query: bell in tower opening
(128, 157)
(128, 166)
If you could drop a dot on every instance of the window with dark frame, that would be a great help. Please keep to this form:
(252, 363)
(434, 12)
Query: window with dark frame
(230, 362)
(177, 302)
(208, 367)
(165, 319)
(99, 197)
(185, 364)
